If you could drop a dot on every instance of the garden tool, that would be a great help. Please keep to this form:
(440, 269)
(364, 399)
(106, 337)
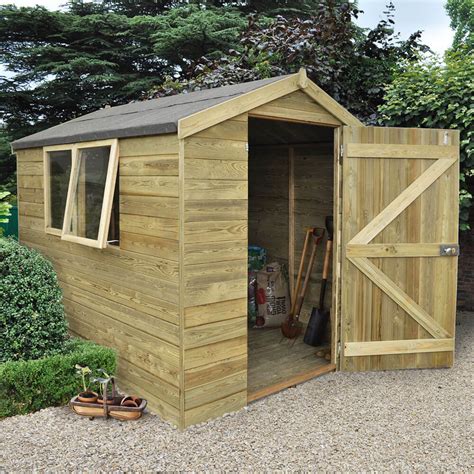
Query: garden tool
(319, 316)
(292, 327)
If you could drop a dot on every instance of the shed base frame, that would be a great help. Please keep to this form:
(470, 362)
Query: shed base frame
(291, 382)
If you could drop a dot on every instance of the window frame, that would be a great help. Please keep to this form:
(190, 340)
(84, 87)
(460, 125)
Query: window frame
(47, 186)
(105, 215)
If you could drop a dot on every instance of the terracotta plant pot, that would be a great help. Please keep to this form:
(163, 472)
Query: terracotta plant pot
(110, 400)
(87, 397)
(130, 402)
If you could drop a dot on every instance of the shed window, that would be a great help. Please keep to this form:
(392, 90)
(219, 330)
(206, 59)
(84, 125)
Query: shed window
(87, 196)
(58, 170)
(81, 196)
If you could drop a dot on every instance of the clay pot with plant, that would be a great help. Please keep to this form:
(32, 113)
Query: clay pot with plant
(86, 396)
(103, 382)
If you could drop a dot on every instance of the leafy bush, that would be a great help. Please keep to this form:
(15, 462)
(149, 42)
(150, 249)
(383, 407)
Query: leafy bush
(32, 322)
(27, 386)
(438, 95)
(4, 209)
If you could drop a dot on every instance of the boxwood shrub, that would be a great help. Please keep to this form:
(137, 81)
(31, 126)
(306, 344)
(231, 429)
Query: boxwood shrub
(27, 386)
(32, 321)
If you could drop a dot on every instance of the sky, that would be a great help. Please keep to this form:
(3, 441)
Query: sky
(410, 15)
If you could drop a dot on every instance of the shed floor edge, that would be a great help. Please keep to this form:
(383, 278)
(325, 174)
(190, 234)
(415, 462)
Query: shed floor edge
(291, 382)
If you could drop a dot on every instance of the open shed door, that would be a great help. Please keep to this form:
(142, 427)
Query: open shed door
(399, 247)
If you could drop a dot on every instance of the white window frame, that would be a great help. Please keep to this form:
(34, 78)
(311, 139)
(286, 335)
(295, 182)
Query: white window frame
(101, 241)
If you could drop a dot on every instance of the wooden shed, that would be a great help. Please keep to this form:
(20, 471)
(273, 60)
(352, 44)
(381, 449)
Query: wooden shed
(146, 211)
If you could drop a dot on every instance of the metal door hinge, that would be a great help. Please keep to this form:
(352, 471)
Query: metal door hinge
(338, 349)
(449, 250)
(247, 147)
(341, 153)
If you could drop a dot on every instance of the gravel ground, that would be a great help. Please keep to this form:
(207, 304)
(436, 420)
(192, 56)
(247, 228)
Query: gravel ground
(403, 421)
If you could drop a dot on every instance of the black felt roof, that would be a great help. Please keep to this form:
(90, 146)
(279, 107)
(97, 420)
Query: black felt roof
(151, 117)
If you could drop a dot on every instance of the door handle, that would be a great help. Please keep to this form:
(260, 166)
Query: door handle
(449, 250)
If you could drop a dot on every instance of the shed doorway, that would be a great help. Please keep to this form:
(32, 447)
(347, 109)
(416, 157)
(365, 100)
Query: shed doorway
(291, 167)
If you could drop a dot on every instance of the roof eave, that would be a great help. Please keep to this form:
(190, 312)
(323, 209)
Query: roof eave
(164, 128)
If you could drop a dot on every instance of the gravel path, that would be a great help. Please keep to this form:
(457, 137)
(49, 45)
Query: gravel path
(404, 421)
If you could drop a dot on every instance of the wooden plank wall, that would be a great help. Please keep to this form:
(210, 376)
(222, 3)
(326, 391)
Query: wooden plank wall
(214, 290)
(313, 201)
(125, 298)
(297, 106)
(268, 201)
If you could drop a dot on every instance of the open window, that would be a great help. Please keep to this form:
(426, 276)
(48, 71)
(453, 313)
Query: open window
(81, 195)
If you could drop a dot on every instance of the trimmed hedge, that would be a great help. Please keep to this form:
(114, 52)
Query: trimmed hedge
(32, 321)
(27, 386)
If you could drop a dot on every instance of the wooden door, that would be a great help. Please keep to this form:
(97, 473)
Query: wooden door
(399, 244)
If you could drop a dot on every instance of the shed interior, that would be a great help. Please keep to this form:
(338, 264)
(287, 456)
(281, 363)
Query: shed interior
(290, 189)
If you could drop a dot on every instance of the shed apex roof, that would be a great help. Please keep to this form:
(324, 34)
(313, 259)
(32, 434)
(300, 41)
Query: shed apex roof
(151, 117)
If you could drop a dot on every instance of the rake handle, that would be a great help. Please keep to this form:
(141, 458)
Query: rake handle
(318, 235)
(306, 279)
(327, 259)
(300, 271)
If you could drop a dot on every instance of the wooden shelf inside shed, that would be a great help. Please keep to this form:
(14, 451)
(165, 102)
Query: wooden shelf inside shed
(275, 364)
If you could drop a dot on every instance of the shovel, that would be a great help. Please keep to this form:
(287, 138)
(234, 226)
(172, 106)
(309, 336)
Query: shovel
(292, 327)
(314, 334)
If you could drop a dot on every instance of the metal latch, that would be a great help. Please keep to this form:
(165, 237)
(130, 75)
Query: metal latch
(449, 250)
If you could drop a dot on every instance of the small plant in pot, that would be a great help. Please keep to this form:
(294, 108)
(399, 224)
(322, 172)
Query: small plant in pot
(103, 382)
(87, 396)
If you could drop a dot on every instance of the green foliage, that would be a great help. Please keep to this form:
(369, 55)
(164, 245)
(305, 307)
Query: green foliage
(271, 8)
(349, 63)
(27, 386)
(461, 13)
(7, 164)
(103, 380)
(65, 65)
(122, 7)
(158, 7)
(5, 207)
(32, 322)
(83, 372)
(433, 94)
(186, 34)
